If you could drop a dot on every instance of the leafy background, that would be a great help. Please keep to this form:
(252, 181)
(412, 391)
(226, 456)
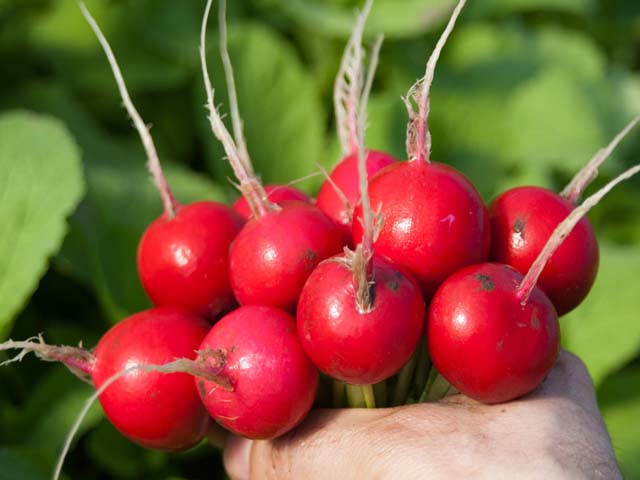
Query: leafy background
(526, 92)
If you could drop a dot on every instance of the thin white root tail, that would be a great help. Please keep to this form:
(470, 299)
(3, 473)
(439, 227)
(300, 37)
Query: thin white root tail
(208, 365)
(235, 150)
(153, 162)
(348, 85)
(418, 136)
(562, 231)
(589, 172)
(78, 360)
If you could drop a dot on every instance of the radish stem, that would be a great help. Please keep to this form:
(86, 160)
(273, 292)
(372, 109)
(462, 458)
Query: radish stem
(362, 260)
(153, 162)
(238, 158)
(562, 231)
(348, 85)
(182, 365)
(405, 375)
(418, 136)
(589, 172)
(369, 396)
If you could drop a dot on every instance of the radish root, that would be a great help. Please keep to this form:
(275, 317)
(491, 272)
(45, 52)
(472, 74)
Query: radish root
(348, 85)
(153, 162)
(562, 231)
(418, 136)
(236, 151)
(78, 360)
(589, 172)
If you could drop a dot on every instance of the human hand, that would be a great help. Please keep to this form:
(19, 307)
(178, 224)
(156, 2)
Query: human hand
(554, 432)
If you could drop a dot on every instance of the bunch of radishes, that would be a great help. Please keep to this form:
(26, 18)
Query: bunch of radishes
(373, 283)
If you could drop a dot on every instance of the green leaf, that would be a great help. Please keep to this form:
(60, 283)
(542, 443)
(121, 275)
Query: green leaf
(55, 403)
(604, 331)
(619, 399)
(511, 6)
(40, 185)
(13, 467)
(147, 62)
(279, 104)
(528, 99)
(120, 457)
(394, 18)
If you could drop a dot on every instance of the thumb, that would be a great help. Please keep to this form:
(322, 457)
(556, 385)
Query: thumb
(330, 443)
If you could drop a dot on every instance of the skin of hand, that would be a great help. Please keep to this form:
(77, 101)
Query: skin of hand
(556, 432)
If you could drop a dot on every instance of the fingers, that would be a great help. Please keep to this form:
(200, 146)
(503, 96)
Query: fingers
(569, 379)
(330, 443)
(237, 454)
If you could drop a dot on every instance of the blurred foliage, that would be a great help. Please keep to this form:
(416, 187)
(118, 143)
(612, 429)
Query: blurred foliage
(526, 91)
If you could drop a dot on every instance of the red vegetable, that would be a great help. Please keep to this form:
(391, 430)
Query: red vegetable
(272, 382)
(484, 341)
(359, 345)
(183, 261)
(522, 220)
(338, 195)
(155, 410)
(276, 194)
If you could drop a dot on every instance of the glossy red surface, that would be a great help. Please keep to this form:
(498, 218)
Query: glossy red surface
(346, 177)
(274, 383)
(276, 194)
(183, 262)
(483, 341)
(434, 221)
(522, 220)
(360, 348)
(273, 255)
(155, 410)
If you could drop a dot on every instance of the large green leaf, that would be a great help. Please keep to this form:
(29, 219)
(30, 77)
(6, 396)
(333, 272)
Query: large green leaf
(619, 397)
(394, 18)
(532, 100)
(121, 201)
(148, 60)
(40, 185)
(13, 467)
(123, 459)
(279, 104)
(604, 331)
(509, 6)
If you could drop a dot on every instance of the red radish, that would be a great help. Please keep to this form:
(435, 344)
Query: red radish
(341, 191)
(155, 410)
(356, 345)
(276, 251)
(183, 255)
(359, 316)
(433, 219)
(273, 383)
(276, 194)
(143, 390)
(339, 194)
(491, 332)
(184, 261)
(484, 341)
(523, 218)
(273, 255)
